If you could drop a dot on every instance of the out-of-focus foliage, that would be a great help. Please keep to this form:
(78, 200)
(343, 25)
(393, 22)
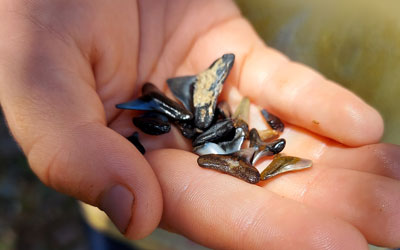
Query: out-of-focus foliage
(356, 43)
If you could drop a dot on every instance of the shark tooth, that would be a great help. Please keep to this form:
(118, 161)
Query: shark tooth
(243, 110)
(230, 164)
(273, 121)
(264, 148)
(182, 88)
(209, 148)
(235, 144)
(134, 139)
(154, 100)
(281, 164)
(217, 132)
(207, 88)
(152, 123)
(268, 135)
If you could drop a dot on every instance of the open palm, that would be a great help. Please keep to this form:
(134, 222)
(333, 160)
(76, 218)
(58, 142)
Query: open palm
(67, 63)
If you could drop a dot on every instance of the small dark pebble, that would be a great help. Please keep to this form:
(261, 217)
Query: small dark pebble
(134, 139)
(273, 121)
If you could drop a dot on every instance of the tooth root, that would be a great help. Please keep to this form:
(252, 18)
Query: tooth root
(282, 164)
(231, 165)
(207, 88)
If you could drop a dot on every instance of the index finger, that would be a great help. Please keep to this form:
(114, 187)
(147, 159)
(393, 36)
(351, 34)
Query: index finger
(294, 92)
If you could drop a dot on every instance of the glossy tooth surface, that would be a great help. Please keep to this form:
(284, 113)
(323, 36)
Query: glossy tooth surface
(209, 148)
(235, 144)
(182, 88)
(232, 165)
(282, 164)
(207, 88)
(268, 149)
(215, 133)
(268, 135)
(188, 129)
(152, 123)
(134, 139)
(154, 99)
(273, 121)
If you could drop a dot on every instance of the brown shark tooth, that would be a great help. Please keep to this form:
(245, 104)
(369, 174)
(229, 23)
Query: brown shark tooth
(281, 164)
(207, 88)
(152, 123)
(230, 164)
(273, 121)
(154, 99)
(267, 135)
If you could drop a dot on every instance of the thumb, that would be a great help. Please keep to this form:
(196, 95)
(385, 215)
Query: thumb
(48, 97)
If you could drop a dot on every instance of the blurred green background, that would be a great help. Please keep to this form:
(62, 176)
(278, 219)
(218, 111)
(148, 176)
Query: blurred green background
(355, 43)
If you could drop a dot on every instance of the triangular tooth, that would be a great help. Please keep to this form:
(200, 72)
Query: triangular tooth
(268, 135)
(182, 88)
(207, 88)
(268, 149)
(282, 164)
(137, 104)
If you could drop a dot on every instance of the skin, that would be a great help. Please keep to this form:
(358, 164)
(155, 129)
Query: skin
(65, 64)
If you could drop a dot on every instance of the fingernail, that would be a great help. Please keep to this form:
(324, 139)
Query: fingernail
(117, 204)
